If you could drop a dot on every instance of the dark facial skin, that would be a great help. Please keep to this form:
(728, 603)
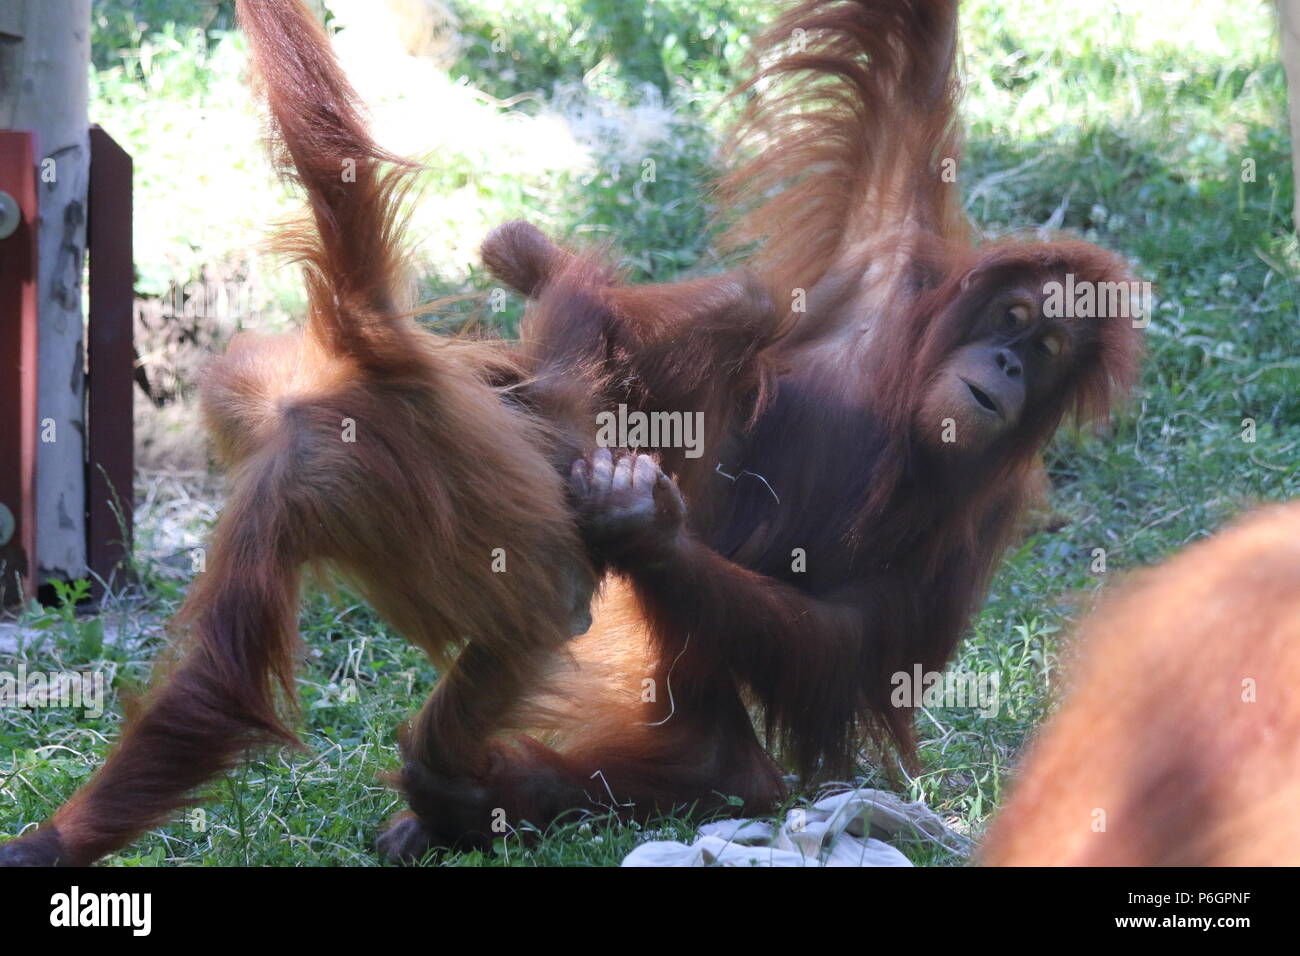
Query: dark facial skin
(1012, 356)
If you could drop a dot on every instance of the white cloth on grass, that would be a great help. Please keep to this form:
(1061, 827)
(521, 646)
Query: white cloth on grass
(834, 831)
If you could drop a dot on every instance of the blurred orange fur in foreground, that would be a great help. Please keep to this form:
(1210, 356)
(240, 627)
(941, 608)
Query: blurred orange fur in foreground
(1178, 742)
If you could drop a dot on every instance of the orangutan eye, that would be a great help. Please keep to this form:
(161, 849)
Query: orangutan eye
(1050, 346)
(1017, 315)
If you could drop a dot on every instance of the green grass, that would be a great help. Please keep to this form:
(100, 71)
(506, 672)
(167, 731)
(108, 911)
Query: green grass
(1130, 131)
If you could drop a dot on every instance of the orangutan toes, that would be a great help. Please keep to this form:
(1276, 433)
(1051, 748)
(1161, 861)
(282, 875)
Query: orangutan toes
(44, 847)
(407, 840)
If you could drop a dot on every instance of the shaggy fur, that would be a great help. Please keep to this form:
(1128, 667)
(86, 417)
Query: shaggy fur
(1178, 741)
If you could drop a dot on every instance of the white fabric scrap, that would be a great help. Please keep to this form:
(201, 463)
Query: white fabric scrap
(834, 831)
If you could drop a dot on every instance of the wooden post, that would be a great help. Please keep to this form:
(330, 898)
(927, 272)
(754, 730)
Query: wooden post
(18, 369)
(44, 63)
(110, 359)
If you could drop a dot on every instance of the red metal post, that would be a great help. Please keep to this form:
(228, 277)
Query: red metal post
(18, 273)
(110, 358)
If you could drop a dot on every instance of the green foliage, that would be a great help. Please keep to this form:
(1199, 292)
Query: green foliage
(121, 26)
(82, 637)
(683, 45)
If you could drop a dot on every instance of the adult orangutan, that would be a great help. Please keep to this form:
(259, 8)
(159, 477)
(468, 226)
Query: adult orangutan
(867, 450)
(850, 505)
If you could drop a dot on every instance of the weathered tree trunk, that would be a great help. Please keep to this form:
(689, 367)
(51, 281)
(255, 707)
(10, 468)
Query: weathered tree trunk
(1288, 15)
(43, 87)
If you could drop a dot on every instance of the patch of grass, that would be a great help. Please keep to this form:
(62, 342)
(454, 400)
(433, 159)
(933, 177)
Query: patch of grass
(1160, 133)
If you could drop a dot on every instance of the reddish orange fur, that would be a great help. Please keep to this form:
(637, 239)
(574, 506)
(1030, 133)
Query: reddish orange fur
(820, 437)
(851, 114)
(1155, 730)
(441, 472)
